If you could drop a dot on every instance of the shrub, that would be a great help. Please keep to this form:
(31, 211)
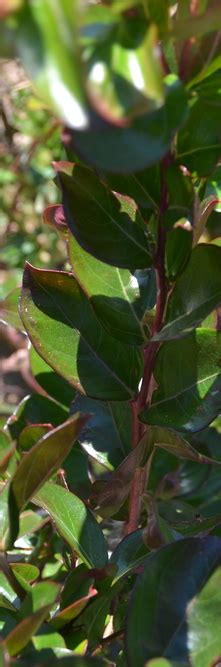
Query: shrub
(110, 490)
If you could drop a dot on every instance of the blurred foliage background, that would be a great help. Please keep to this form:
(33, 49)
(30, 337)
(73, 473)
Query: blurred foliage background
(29, 142)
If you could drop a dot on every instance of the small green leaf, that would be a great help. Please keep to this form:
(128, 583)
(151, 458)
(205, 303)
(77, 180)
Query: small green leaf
(172, 442)
(194, 296)
(66, 333)
(31, 434)
(159, 619)
(187, 372)
(25, 573)
(30, 522)
(75, 523)
(44, 459)
(106, 225)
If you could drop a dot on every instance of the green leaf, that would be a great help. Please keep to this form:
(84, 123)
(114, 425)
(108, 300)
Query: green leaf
(35, 409)
(118, 297)
(199, 141)
(143, 187)
(107, 435)
(185, 520)
(30, 522)
(37, 605)
(134, 148)
(213, 187)
(31, 434)
(164, 438)
(129, 554)
(5, 528)
(106, 225)
(116, 92)
(64, 330)
(9, 310)
(159, 619)
(25, 574)
(44, 459)
(75, 523)
(56, 386)
(7, 448)
(187, 372)
(46, 40)
(69, 613)
(178, 248)
(194, 296)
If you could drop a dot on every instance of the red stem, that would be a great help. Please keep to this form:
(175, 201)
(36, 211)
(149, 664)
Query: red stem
(150, 352)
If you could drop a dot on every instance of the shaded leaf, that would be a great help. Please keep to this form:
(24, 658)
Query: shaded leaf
(75, 523)
(178, 248)
(55, 385)
(30, 522)
(194, 296)
(31, 434)
(69, 613)
(106, 225)
(35, 409)
(129, 554)
(187, 373)
(64, 330)
(107, 433)
(160, 614)
(175, 444)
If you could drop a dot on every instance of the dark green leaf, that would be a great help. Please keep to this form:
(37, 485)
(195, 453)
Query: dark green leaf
(35, 409)
(74, 661)
(64, 330)
(175, 444)
(143, 187)
(75, 523)
(107, 434)
(119, 298)
(56, 386)
(107, 225)
(129, 553)
(194, 296)
(187, 372)
(164, 599)
(131, 149)
(178, 248)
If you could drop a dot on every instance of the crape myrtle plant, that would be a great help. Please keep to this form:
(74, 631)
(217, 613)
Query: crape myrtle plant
(110, 499)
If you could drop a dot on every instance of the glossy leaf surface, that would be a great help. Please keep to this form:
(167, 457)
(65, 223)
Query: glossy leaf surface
(161, 613)
(108, 226)
(189, 397)
(194, 296)
(107, 434)
(129, 554)
(75, 523)
(119, 298)
(62, 327)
